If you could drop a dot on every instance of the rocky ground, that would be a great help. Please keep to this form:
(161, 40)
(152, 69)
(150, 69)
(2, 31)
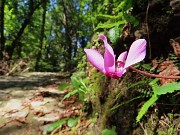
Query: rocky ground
(29, 102)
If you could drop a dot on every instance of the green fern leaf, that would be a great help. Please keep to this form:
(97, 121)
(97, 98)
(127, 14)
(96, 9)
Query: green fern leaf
(119, 7)
(131, 19)
(167, 88)
(146, 106)
(154, 84)
(107, 17)
(124, 6)
(108, 25)
(127, 4)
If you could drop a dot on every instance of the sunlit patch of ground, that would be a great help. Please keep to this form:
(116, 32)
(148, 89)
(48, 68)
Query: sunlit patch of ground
(29, 102)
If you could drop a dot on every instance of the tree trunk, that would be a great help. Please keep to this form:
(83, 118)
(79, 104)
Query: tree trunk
(26, 22)
(68, 31)
(2, 39)
(39, 55)
(15, 12)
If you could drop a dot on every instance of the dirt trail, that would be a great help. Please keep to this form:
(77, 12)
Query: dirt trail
(29, 102)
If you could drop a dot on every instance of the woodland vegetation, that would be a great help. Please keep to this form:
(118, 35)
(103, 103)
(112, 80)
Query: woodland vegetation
(50, 36)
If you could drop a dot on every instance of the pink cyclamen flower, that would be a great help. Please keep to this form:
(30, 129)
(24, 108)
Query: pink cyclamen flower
(116, 68)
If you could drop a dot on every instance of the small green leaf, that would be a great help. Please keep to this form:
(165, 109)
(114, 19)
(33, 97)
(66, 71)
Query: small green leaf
(75, 82)
(93, 120)
(63, 86)
(146, 66)
(113, 34)
(109, 131)
(71, 93)
(56, 124)
(72, 122)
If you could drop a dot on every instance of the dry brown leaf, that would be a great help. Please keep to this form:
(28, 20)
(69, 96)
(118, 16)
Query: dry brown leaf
(165, 64)
(154, 63)
(176, 47)
(37, 98)
(168, 68)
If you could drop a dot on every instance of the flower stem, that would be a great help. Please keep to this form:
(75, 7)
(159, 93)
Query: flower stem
(153, 75)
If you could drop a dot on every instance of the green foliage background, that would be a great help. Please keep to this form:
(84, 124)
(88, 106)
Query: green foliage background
(69, 26)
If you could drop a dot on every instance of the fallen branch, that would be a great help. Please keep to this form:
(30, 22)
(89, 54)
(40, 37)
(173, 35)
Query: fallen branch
(14, 68)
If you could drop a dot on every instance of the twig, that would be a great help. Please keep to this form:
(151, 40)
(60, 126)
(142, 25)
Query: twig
(147, 28)
(145, 131)
(153, 75)
(167, 104)
(14, 68)
(55, 130)
(163, 123)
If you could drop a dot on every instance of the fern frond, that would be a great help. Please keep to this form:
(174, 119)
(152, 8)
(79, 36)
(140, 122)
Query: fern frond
(124, 5)
(108, 25)
(137, 84)
(126, 102)
(154, 84)
(146, 106)
(107, 17)
(167, 88)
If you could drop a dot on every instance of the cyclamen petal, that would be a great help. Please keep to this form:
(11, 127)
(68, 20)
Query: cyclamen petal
(120, 72)
(122, 57)
(102, 37)
(109, 57)
(107, 46)
(137, 52)
(96, 59)
(109, 61)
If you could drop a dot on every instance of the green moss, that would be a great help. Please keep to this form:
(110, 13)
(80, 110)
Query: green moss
(104, 92)
(96, 84)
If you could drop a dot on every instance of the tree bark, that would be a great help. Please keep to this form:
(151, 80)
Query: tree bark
(39, 55)
(2, 38)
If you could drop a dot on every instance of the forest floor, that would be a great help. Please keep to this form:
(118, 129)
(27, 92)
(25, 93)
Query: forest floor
(29, 102)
